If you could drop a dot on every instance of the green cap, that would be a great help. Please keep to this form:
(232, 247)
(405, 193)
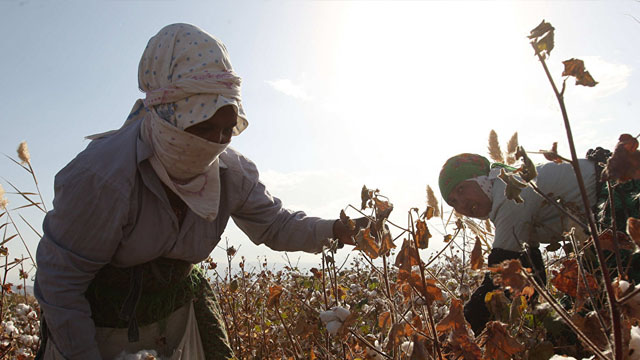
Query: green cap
(460, 168)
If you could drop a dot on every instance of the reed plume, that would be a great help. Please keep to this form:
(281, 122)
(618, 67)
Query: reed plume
(3, 200)
(433, 201)
(512, 147)
(23, 153)
(494, 148)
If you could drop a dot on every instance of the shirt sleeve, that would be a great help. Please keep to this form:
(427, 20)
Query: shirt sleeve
(265, 221)
(81, 235)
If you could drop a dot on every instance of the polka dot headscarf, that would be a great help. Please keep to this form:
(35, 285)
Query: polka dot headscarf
(187, 76)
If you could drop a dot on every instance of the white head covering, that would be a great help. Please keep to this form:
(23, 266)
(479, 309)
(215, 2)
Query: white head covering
(486, 182)
(187, 76)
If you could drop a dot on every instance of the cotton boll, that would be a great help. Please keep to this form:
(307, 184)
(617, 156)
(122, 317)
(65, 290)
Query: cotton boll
(32, 315)
(562, 357)
(634, 343)
(26, 340)
(464, 291)
(328, 316)
(451, 284)
(334, 326)
(10, 329)
(22, 309)
(623, 285)
(341, 312)
(407, 347)
(140, 355)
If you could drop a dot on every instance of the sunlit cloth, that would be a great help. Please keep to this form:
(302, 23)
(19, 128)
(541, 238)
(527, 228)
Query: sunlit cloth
(485, 184)
(460, 168)
(187, 76)
(186, 164)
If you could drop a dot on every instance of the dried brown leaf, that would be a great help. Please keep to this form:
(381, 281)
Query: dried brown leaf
(422, 234)
(455, 320)
(509, 274)
(528, 170)
(575, 68)
(387, 243)
(430, 293)
(384, 320)
(365, 196)
(623, 241)
(275, 292)
(407, 257)
(367, 243)
(514, 186)
(498, 344)
(540, 30)
(552, 155)
(477, 260)
(397, 333)
(570, 281)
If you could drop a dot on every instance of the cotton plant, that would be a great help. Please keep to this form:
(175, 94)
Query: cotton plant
(19, 331)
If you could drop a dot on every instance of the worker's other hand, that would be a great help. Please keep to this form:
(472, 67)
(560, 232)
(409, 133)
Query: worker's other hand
(344, 234)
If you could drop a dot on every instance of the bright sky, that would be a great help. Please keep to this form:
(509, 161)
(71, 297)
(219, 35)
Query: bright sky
(338, 93)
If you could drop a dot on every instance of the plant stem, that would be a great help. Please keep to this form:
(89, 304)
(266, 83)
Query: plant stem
(562, 313)
(21, 238)
(4, 281)
(436, 344)
(559, 207)
(35, 180)
(614, 228)
(286, 329)
(326, 302)
(387, 288)
(629, 296)
(613, 306)
(369, 345)
(444, 248)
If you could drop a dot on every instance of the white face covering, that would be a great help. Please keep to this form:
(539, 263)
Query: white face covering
(186, 164)
(485, 184)
(187, 76)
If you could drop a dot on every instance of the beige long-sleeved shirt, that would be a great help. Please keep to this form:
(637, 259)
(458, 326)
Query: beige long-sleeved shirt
(110, 208)
(536, 221)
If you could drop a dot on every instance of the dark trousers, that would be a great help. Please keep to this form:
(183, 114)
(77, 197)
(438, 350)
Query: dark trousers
(475, 310)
